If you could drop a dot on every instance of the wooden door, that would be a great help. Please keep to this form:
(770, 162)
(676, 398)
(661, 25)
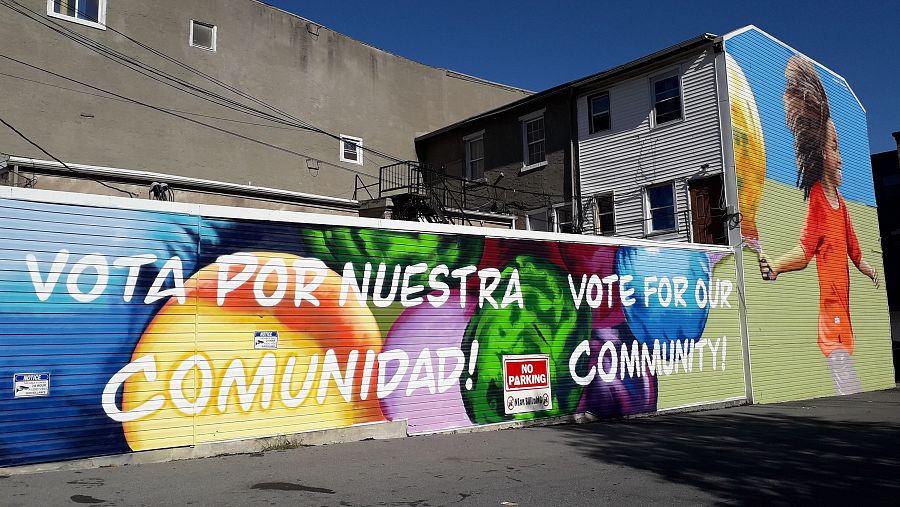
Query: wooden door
(707, 211)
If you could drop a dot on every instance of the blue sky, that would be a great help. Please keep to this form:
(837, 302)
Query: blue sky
(538, 44)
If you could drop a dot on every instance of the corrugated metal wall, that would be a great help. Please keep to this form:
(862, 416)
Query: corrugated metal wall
(632, 155)
(156, 323)
(69, 311)
(821, 327)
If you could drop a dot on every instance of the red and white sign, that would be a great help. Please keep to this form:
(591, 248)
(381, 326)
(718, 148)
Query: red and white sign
(526, 384)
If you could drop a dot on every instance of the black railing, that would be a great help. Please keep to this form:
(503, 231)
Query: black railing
(359, 185)
(402, 177)
(423, 192)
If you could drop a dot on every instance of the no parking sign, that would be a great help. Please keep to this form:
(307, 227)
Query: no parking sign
(526, 384)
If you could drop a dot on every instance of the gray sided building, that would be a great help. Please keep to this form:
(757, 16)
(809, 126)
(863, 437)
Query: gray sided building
(225, 102)
(603, 154)
(737, 140)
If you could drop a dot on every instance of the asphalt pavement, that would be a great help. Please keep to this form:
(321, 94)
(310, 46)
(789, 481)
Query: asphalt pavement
(824, 451)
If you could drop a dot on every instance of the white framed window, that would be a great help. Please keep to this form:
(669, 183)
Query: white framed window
(534, 136)
(538, 220)
(556, 218)
(203, 35)
(84, 12)
(351, 149)
(604, 214)
(659, 208)
(562, 217)
(474, 169)
(598, 112)
(666, 93)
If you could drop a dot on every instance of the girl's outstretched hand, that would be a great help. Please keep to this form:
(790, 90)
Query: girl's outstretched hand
(765, 269)
(869, 271)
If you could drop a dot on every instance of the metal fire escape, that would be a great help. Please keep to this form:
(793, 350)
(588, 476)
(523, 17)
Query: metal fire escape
(420, 193)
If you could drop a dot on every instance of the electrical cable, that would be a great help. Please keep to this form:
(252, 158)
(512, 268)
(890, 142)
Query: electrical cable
(149, 71)
(191, 113)
(183, 117)
(114, 96)
(79, 173)
(144, 69)
(132, 63)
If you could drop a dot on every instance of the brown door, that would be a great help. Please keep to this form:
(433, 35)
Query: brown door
(707, 211)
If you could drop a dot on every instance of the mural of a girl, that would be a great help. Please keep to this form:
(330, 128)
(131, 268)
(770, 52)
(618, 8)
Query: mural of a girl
(827, 232)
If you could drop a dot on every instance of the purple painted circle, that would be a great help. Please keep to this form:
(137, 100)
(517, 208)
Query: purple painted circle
(435, 329)
(620, 397)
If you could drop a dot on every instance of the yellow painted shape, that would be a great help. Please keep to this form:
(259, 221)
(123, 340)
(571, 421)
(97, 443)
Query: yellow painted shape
(225, 333)
(749, 147)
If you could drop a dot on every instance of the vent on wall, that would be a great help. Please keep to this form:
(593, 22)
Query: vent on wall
(203, 35)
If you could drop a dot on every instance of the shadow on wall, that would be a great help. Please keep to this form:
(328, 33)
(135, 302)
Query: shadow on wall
(759, 454)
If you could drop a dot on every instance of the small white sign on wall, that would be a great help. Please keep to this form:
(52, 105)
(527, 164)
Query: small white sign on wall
(265, 340)
(31, 385)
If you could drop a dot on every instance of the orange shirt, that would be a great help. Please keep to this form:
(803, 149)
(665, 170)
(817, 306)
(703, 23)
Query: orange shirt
(828, 236)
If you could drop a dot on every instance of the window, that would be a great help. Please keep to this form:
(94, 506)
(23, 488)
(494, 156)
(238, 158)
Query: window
(474, 156)
(557, 218)
(533, 137)
(598, 106)
(85, 12)
(562, 218)
(538, 220)
(666, 99)
(661, 207)
(203, 35)
(604, 214)
(351, 150)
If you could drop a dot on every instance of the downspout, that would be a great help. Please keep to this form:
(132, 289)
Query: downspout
(735, 238)
(575, 175)
(689, 220)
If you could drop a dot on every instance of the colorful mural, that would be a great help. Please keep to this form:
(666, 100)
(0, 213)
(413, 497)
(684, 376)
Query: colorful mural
(163, 329)
(806, 199)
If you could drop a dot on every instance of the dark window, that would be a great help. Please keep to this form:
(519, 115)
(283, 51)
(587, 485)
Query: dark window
(351, 150)
(475, 158)
(661, 207)
(562, 218)
(539, 220)
(667, 99)
(534, 141)
(604, 215)
(599, 112)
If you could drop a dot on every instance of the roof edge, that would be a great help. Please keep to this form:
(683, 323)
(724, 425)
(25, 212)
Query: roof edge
(744, 29)
(702, 39)
(222, 187)
(364, 43)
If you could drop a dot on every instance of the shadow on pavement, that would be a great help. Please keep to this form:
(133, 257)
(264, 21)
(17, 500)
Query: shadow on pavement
(756, 454)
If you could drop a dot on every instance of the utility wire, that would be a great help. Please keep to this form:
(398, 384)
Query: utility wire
(183, 117)
(135, 64)
(181, 114)
(36, 145)
(147, 70)
(102, 96)
(197, 91)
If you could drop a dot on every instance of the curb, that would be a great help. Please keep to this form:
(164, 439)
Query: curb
(369, 431)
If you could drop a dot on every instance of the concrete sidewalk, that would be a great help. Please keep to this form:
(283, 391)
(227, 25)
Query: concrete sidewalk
(826, 451)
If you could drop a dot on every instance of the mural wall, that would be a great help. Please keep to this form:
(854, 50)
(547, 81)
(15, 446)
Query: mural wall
(817, 311)
(127, 329)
